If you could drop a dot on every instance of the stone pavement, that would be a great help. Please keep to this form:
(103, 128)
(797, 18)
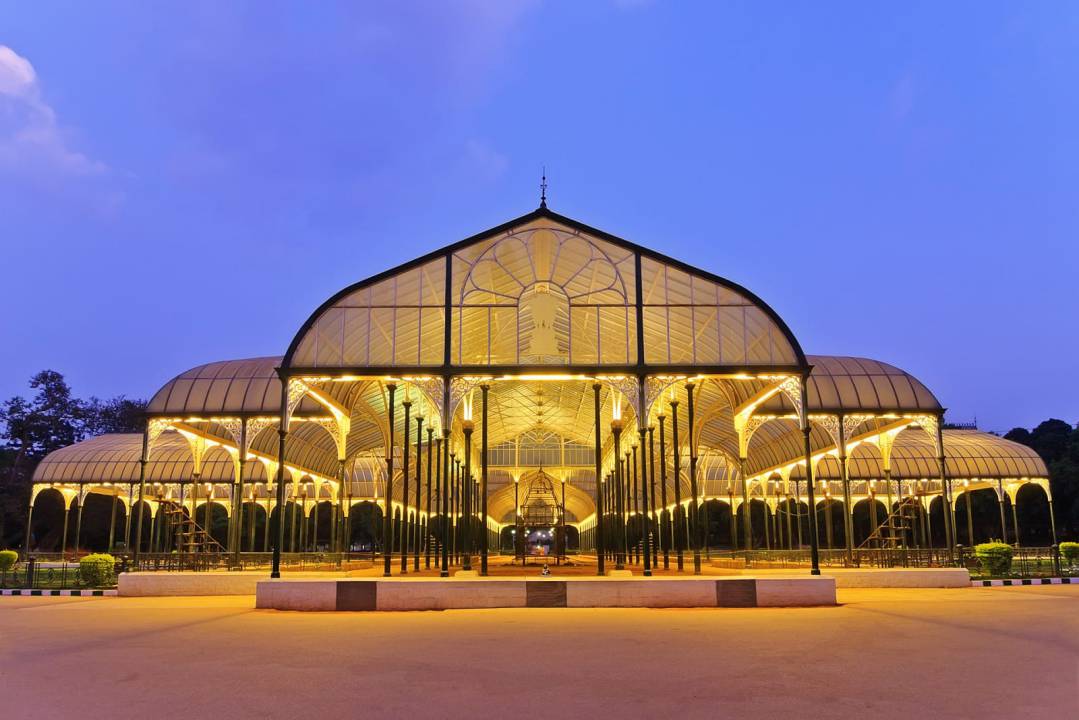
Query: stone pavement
(897, 653)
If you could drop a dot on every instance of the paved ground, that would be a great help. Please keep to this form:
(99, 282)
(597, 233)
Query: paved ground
(977, 653)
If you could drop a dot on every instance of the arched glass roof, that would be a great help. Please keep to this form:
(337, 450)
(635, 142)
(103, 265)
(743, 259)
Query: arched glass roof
(840, 384)
(543, 290)
(228, 387)
(969, 455)
(115, 459)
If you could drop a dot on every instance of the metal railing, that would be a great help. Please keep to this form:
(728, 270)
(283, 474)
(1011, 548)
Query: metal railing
(1027, 562)
(864, 557)
(47, 573)
(310, 561)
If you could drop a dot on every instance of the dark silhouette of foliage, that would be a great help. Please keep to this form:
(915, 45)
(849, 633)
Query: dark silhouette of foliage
(1058, 444)
(50, 419)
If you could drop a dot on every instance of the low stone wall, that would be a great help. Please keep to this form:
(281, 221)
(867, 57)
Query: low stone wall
(150, 584)
(870, 577)
(900, 578)
(448, 594)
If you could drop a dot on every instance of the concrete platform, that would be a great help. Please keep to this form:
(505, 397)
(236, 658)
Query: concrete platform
(330, 594)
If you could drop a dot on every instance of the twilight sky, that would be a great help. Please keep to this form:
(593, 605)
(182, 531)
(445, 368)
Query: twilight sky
(185, 182)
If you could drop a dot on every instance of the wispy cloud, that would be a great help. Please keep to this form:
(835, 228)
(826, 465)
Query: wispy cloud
(32, 141)
(485, 160)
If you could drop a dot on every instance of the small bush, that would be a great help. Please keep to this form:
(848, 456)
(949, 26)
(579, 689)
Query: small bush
(994, 557)
(8, 558)
(98, 569)
(1070, 552)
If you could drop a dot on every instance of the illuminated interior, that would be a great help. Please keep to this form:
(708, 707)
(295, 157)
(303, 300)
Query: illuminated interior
(535, 322)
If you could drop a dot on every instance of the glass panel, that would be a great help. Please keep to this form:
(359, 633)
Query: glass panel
(732, 335)
(584, 335)
(503, 332)
(407, 336)
(432, 343)
(655, 336)
(328, 338)
(380, 347)
(356, 343)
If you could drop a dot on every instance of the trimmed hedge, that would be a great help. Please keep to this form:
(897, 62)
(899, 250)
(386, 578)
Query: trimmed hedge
(8, 559)
(1070, 552)
(98, 569)
(995, 558)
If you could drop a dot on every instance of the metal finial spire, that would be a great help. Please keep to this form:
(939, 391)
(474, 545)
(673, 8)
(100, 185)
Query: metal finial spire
(543, 188)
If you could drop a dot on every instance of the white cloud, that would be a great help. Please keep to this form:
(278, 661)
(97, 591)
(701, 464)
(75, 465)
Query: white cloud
(32, 142)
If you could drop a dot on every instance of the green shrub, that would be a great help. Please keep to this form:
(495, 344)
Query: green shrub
(994, 557)
(1070, 552)
(98, 569)
(8, 558)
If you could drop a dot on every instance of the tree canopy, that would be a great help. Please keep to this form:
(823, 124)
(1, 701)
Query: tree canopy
(1058, 444)
(51, 418)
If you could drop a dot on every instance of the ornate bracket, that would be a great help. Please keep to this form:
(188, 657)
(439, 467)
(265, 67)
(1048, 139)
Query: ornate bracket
(930, 424)
(830, 423)
(745, 427)
(431, 388)
(627, 386)
(296, 390)
(334, 427)
(198, 446)
(254, 427)
(654, 387)
(851, 423)
(234, 427)
(792, 388)
(154, 428)
(461, 387)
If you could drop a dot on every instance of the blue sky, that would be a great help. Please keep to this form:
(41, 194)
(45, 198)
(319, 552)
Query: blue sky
(186, 182)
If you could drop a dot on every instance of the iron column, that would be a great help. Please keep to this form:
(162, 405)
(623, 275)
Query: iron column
(677, 487)
(427, 526)
(600, 545)
(419, 479)
(814, 549)
(695, 526)
(643, 517)
(387, 516)
(664, 515)
(484, 549)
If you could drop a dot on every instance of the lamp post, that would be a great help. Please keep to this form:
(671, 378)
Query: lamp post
(562, 520)
(517, 519)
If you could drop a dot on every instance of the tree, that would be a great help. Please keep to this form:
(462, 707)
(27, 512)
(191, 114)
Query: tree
(53, 418)
(118, 415)
(1057, 443)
